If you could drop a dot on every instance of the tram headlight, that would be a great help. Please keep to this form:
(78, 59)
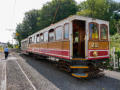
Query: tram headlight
(95, 54)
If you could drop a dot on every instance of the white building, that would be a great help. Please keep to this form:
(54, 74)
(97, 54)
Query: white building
(3, 44)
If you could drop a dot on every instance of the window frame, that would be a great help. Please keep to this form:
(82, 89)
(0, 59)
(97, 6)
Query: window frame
(44, 38)
(89, 30)
(30, 40)
(51, 30)
(101, 31)
(41, 34)
(37, 36)
(34, 39)
(64, 32)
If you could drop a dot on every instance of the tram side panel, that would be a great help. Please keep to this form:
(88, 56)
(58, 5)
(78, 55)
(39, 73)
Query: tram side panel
(98, 50)
(58, 49)
(24, 46)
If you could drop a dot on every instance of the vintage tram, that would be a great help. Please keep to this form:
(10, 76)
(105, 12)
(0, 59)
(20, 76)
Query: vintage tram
(79, 44)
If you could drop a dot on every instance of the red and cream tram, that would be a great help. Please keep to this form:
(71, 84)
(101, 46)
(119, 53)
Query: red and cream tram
(79, 44)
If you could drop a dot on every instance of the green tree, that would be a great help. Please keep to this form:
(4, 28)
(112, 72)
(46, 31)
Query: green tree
(115, 22)
(94, 8)
(113, 29)
(9, 45)
(28, 26)
(30, 21)
(20, 33)
(102, 9)
(50, 13)
(55, 11)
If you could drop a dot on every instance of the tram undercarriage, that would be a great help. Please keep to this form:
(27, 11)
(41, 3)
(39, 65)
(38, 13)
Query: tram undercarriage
(83, 69)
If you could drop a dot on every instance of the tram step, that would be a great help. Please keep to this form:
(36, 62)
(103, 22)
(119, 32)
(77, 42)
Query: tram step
(80, 75)
(78, 66)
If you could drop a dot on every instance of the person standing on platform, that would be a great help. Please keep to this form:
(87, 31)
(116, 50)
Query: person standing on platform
(6, 52)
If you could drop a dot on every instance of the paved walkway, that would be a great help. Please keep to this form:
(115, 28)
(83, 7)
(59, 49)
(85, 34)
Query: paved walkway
(112, 74)
(12, 77)
(1, 55)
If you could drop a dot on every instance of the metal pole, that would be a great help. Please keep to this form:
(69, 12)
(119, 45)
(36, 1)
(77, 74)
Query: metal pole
(114, 57)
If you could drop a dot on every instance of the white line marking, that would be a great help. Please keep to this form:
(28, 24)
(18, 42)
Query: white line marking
(26, 76)
(6, 60)
(100, 56)
(4, 79)
(48, 49)
(98, 50)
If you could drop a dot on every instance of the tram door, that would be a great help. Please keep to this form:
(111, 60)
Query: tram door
(78, 39)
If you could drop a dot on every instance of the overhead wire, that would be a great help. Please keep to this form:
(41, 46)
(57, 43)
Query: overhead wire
(56, 12)
(14, 5)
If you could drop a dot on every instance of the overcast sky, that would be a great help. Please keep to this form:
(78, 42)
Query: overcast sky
(12, 13)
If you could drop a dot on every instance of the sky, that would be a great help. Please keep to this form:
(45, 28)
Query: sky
(12, 13)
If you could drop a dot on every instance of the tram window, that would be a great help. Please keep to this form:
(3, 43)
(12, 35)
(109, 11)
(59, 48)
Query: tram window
(58, 33)
(94, 31)
(104, 33)
(37, 38)
(51, 35)
(30, 40)
(41, 37)
(46, 37)
(33, 39)
(66, 31)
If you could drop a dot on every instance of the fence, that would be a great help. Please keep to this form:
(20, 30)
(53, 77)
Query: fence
(115, 54)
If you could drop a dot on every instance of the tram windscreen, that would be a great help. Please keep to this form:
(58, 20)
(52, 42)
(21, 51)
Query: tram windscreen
(94, 31)
(104, 32)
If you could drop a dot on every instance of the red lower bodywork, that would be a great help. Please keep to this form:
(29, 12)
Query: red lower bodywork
(51, 52)
(101, 54)
(65, 54)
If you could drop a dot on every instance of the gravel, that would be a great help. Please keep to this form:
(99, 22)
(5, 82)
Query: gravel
(15, 78)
